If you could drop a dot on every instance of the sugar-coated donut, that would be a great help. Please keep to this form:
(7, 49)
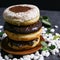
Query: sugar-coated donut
(23, 37)
(23, 14)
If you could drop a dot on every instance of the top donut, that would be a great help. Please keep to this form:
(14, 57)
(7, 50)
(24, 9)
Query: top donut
(23, 14)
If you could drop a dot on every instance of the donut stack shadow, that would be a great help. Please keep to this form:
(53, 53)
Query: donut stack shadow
(23, 27)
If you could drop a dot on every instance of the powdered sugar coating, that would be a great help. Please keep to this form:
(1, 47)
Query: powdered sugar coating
(22, 16)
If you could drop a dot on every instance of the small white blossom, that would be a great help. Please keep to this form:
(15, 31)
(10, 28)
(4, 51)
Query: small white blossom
(21, 59)
(41, 57)
(56, 26)
(36, 57)
(52, 30)
(47, 54)
(43, 53)
(14, 58)
(1, 26)
(6, 57)
(0, 30)
(37, 53)
(32, 56)
(57, 34)
(26, 58)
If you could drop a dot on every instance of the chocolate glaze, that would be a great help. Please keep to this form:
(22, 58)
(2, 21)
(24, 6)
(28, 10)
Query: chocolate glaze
(21, 43)
(17, 9)
(23, 29)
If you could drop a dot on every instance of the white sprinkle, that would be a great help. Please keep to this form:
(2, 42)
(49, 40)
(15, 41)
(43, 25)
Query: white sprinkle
(52, 30)
(56, 26)
(14, 58)
(1, 26)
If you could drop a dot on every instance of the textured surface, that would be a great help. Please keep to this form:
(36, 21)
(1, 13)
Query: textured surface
(54, 18)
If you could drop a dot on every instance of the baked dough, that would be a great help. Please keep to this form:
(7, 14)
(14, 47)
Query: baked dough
(23, 17)
(23, 37)
(25, 46)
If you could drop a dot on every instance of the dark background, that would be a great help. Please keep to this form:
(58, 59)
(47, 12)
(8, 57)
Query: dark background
(42, 4)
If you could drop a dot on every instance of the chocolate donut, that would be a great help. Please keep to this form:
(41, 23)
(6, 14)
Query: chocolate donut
(20, 45)
(23, 29)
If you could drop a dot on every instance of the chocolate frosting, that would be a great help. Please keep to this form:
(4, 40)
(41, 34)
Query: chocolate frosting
(21, 43)
(17, 9)
(23, 29)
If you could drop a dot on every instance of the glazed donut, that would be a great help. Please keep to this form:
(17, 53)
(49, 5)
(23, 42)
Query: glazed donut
(21, 45)
(23, 14)
(23, 37)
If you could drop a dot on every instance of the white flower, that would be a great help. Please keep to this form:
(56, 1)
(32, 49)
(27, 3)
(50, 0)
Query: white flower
(37, 53)
(47, 54)
(21, 58)
(6, 57)
(1, 26)
(10, 56)
(14, 58)
(28, 56)
(41, 57)
(56, 26)
(52, 30)
(36, 57)
(57, 34)
(0, 30)
(1, 58)
(32, 56)
(54, 51)
(43, 53)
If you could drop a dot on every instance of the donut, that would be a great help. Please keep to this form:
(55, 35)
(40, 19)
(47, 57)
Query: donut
(21, 45)
(23, 37)
(23, 14)
(23, 29)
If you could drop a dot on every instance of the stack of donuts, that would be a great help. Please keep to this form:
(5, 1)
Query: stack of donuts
(22, 26)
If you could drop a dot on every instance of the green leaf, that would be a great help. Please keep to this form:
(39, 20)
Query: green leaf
(52, 47)
(55, 37)
(48, 30)
(1, 33)
(45, 20)
(44, 48)
(43, 43)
